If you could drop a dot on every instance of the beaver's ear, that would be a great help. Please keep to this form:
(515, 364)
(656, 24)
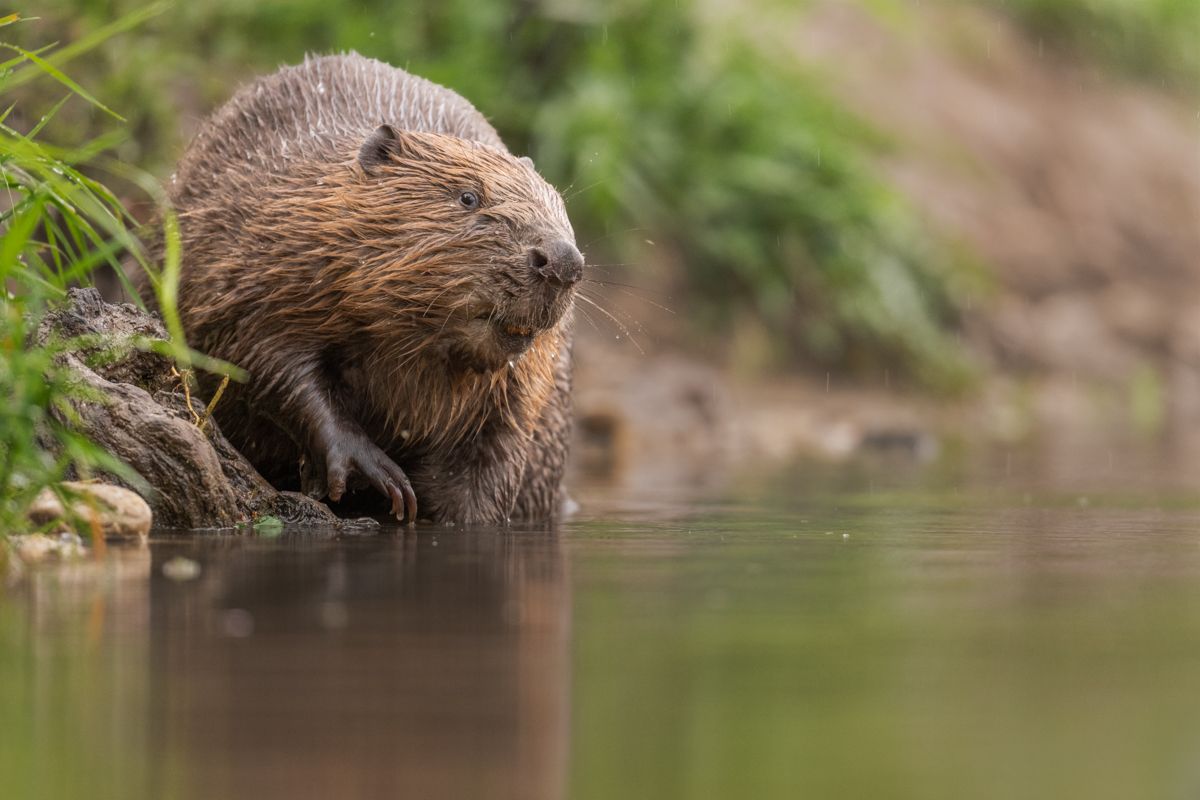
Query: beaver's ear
(384, 144)
(527, 161)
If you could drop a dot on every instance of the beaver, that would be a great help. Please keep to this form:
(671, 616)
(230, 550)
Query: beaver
(397, 285)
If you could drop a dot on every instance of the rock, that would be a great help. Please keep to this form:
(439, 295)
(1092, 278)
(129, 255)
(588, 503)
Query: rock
(908, 443)
(196, 478)
(110, 511)
(35, 548)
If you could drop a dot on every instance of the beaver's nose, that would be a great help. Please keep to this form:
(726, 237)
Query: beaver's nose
(559, 262)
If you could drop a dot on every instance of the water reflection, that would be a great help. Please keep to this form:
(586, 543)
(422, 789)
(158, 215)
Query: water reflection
(415, 665)
(847, 647)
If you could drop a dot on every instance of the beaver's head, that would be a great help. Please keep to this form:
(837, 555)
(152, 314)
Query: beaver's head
(467, 244)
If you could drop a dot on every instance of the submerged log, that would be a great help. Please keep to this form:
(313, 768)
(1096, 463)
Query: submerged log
(196, 479)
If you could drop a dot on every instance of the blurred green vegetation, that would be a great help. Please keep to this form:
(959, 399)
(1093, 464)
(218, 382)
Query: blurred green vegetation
(1153, 39)
(759, 193)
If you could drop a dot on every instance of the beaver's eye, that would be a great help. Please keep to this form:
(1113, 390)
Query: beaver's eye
(469, 200)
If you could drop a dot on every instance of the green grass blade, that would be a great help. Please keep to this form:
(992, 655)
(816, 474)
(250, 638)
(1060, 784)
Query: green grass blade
(17, 235)
(88, 42)
(61, 77)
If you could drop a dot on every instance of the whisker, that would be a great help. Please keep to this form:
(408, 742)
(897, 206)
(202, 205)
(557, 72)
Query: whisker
(610, 234)
(633, 291)
(611, 283)
(588, 317)
(568, 194)
(566, 189)
(625, 316)
(600, 269)
(620, 325)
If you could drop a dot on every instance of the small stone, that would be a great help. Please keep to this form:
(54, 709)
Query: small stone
(181, 569)
(113, 511)
(35, 548)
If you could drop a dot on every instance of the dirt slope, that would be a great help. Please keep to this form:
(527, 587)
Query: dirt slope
(1080, 191)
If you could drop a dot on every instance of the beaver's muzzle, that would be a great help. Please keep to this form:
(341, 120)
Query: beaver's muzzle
(558, 262)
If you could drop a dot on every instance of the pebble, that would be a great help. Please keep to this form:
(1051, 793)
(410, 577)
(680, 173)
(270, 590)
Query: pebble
(116, 512)
(34, 548)
(181, 569)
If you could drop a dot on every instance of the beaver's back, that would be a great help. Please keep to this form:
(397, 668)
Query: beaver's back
(306, 112)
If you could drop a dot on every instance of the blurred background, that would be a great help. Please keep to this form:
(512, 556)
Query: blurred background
(840, 219)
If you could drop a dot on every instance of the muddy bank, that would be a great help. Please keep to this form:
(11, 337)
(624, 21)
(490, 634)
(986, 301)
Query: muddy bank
(664, 418)
(1078, 190)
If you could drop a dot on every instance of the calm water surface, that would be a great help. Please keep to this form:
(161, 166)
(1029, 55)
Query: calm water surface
(865, 631)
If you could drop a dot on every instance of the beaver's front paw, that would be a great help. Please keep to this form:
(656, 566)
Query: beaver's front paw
(335, 460)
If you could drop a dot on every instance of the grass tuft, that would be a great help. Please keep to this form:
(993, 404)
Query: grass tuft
(60, 224)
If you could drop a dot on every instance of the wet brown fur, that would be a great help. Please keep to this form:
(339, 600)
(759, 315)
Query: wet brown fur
(366, 286)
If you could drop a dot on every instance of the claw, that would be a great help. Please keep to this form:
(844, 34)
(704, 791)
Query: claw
(410, 503)
(397, 501)
(404, 503)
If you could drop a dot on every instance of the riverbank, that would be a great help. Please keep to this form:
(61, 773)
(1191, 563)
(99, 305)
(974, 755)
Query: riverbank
(1075, 189)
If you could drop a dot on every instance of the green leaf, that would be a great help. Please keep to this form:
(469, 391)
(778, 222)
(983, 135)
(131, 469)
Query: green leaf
(59, 76)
